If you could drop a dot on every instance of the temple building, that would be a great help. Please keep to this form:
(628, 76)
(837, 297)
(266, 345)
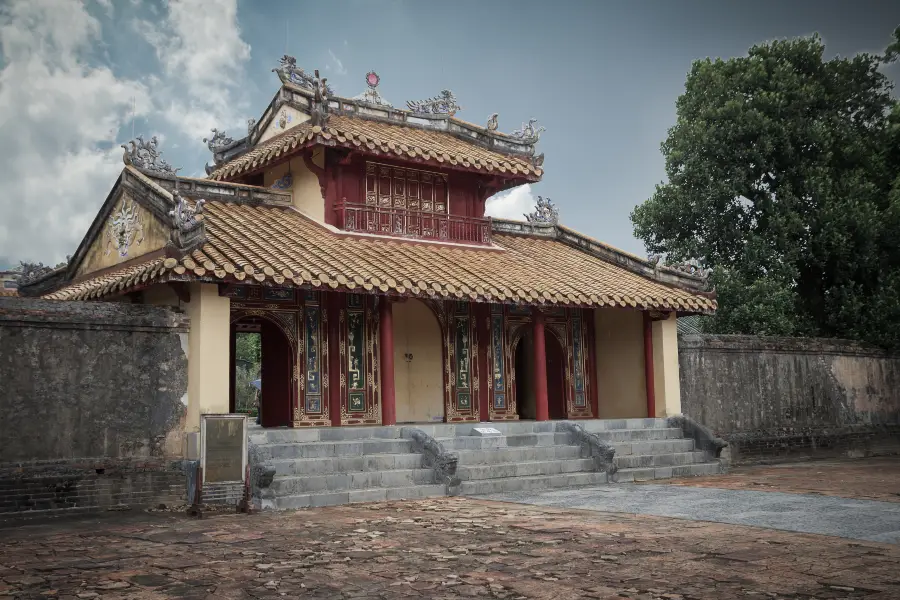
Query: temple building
(351, 235)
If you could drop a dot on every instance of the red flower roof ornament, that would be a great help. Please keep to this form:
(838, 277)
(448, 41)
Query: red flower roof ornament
(371, 95)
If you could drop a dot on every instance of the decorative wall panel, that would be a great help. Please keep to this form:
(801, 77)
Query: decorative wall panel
(360, 388)
(502, 366)
(401, 187)
(462, 366)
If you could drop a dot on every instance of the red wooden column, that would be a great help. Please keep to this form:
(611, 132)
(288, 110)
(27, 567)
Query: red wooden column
(386, 343)
(334, 302)
(542, 411)
(648, 365)
(482, 314)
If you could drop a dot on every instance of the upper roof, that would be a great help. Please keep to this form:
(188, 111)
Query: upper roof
(277, 245)
(427, 131)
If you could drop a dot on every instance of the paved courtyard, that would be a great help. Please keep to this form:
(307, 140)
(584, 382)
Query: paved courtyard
(441, 548)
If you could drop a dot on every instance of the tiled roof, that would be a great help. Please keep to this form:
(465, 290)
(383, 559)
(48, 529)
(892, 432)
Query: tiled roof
(4, 292)
(384, 138)
(281, 246)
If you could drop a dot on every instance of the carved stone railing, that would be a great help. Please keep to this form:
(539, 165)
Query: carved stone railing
(704, 438)
(436, 457)
(602, 453)
(416, 224)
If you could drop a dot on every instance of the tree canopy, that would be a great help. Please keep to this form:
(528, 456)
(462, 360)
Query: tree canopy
(784, 177)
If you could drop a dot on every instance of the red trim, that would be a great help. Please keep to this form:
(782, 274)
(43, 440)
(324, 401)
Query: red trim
(386, 330)
(648, 365)
(542, 410)
(335, 301)
(482, 314)
(592, 362)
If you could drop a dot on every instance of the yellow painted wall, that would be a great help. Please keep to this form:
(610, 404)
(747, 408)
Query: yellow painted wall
(665, 367)
(293, 117)
(621, 387)
(150, 235)
(306, 193)
(208, 353)
(418, 382)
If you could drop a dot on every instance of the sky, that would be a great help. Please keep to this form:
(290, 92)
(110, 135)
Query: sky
(76, 78)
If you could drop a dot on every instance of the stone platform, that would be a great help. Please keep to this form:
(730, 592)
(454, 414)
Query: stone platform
(329, 466)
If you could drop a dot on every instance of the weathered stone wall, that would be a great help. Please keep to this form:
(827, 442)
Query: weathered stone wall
(777, 398)
(93, 402)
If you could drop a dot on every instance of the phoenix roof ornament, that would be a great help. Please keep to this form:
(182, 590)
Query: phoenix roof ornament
(144, 155)
(442, 104)
(528, 131)
(289, 72)
(492, 122)
(544, 212)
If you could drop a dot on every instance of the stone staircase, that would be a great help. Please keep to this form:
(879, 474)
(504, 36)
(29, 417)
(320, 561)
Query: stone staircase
(320, 467)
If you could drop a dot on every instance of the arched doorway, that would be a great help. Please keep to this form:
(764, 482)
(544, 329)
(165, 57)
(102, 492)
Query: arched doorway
(524, 360)
(276, 368)
(556, 377)
(418, 363)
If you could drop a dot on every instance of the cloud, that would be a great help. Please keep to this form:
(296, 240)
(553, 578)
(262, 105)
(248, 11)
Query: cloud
(107, 6)
(512, 204)
(59, 117)
(335, 64)
(62, 107)
(202, 56)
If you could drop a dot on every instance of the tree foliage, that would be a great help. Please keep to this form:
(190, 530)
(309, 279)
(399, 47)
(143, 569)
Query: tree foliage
(783, 177)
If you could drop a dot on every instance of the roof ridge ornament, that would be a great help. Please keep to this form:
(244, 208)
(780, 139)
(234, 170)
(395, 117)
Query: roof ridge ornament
(492, 123)
(188, 228)
(289, 72)
(528, 131)
(144, 155)
(320, 109)
(372, 95)
(219, 141)
(442, 104)
(544, 212)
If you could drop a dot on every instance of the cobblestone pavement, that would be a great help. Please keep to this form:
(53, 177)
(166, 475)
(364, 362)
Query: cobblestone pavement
(443, 548)
(868, 478)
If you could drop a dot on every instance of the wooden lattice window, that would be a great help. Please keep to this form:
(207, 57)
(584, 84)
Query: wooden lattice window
(400, 187)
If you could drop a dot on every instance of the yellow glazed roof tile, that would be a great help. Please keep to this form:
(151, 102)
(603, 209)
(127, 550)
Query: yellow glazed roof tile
(280, 246)
(384, 138)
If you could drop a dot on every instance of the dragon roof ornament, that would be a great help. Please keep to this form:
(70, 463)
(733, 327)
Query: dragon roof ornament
(544, 212)
(528, 132)
(289, 72)
(144, 155)
(442, 104)
(188, 229)
(218, 142)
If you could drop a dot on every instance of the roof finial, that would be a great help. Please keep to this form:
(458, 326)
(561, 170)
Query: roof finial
(492, 122)
(442, 104)
(145, 156)
(371, 95)
(529, 132)
(544, 212)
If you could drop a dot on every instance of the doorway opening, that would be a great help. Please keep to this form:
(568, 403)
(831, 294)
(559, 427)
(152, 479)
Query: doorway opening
(262, 365)
(418, 363)
(524, 361)
(526, 406)
(556, 377)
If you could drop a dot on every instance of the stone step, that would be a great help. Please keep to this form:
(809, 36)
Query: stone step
(659, 460)
(517, 455)
(608, 424)
(445, 430)
(650, 473)
(504, 441)
(539, 482)
(524, 469)
(345, 448)
(345, 464)
(292, 485)
(652, 447)
(639, 435)
(362, 495)
(321, 434)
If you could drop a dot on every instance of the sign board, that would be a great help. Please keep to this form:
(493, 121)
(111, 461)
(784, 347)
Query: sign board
(485, 431)
(223, 448)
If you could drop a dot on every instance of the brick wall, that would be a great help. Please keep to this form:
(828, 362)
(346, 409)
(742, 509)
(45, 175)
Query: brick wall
(786, 398)
(92, 397)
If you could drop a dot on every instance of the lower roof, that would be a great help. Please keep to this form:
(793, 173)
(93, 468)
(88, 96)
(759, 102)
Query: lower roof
(280, 246)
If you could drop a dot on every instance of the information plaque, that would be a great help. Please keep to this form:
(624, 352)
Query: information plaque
(223, 448)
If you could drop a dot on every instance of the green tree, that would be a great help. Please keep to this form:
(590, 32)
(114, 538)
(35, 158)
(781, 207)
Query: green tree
(783, 177)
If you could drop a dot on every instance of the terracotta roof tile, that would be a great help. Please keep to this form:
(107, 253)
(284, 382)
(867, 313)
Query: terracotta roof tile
(380, 137)
(276, 245)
